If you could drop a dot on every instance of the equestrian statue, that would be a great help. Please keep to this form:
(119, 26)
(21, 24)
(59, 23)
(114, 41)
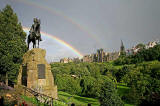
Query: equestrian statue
(34, 33)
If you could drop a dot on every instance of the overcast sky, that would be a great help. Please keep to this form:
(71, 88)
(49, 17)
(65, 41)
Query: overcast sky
(90, 24)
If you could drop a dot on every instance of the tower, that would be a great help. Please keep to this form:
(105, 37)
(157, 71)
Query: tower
(122, 49)
(100, 55)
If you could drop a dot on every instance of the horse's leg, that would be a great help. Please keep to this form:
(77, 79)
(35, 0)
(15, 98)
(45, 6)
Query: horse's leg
(28, 44)
(38, 43)
(33, 44)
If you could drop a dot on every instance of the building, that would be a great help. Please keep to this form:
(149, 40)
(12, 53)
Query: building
(112, 56)
(76, 60)
(151, 44)
(87, 58)
(122, 49)
(65, 60)
(101, 55)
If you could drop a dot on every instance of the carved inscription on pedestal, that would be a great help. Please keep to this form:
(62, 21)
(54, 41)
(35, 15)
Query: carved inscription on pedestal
(41, 71)
(24, 75)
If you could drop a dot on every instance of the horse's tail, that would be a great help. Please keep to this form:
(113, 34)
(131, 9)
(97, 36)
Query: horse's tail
(28, 40)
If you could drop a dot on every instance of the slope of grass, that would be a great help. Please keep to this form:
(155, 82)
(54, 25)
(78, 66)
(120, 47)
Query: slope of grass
(78, 100)
(122, 91)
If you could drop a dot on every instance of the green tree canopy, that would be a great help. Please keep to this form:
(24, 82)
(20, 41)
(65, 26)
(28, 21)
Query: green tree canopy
(12, 43)
(109, 96)
(141, 46)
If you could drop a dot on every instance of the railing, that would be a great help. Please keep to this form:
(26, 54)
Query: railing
(42, 98)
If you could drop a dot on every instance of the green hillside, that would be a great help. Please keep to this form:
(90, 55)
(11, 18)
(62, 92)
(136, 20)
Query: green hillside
(133, 82)
(78, 100)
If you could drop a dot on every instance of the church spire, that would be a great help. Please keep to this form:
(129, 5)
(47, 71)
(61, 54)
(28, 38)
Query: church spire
(122, 49)
(122, 43)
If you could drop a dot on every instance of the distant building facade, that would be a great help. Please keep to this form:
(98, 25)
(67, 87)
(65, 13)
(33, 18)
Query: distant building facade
(76, 60)
(87, 58)
(65, 60)
(101, 56)
(112, 56)
(151, 44)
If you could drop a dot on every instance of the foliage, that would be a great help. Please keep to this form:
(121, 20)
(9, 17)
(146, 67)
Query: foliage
(109, 96)
(68, 84)
(142, 55)
(12, 43)
(121, 72)
(83, 79)
(88, 80)
(140, 46)
(144, 81)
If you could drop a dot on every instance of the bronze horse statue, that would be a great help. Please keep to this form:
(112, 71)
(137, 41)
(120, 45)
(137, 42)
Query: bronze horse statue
(34, 33)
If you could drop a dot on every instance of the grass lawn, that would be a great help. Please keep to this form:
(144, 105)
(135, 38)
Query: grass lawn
(122, 90)
(78, 100)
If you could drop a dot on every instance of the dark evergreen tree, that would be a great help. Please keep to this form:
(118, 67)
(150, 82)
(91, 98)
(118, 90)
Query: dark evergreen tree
(109, 95)
(12, 43)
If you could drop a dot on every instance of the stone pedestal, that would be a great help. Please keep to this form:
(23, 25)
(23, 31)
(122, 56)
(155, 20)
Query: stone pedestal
(35, 73)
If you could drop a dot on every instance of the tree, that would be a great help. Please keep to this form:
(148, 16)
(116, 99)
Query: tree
(141, 46)
(144, 81)
(12, 43)
(109, 96)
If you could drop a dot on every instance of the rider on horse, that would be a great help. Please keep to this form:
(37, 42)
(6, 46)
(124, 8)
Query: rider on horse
(35, 29)
(34, 33)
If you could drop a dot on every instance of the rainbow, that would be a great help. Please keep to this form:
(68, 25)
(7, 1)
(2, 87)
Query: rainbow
(58, 13)
(59, 41)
